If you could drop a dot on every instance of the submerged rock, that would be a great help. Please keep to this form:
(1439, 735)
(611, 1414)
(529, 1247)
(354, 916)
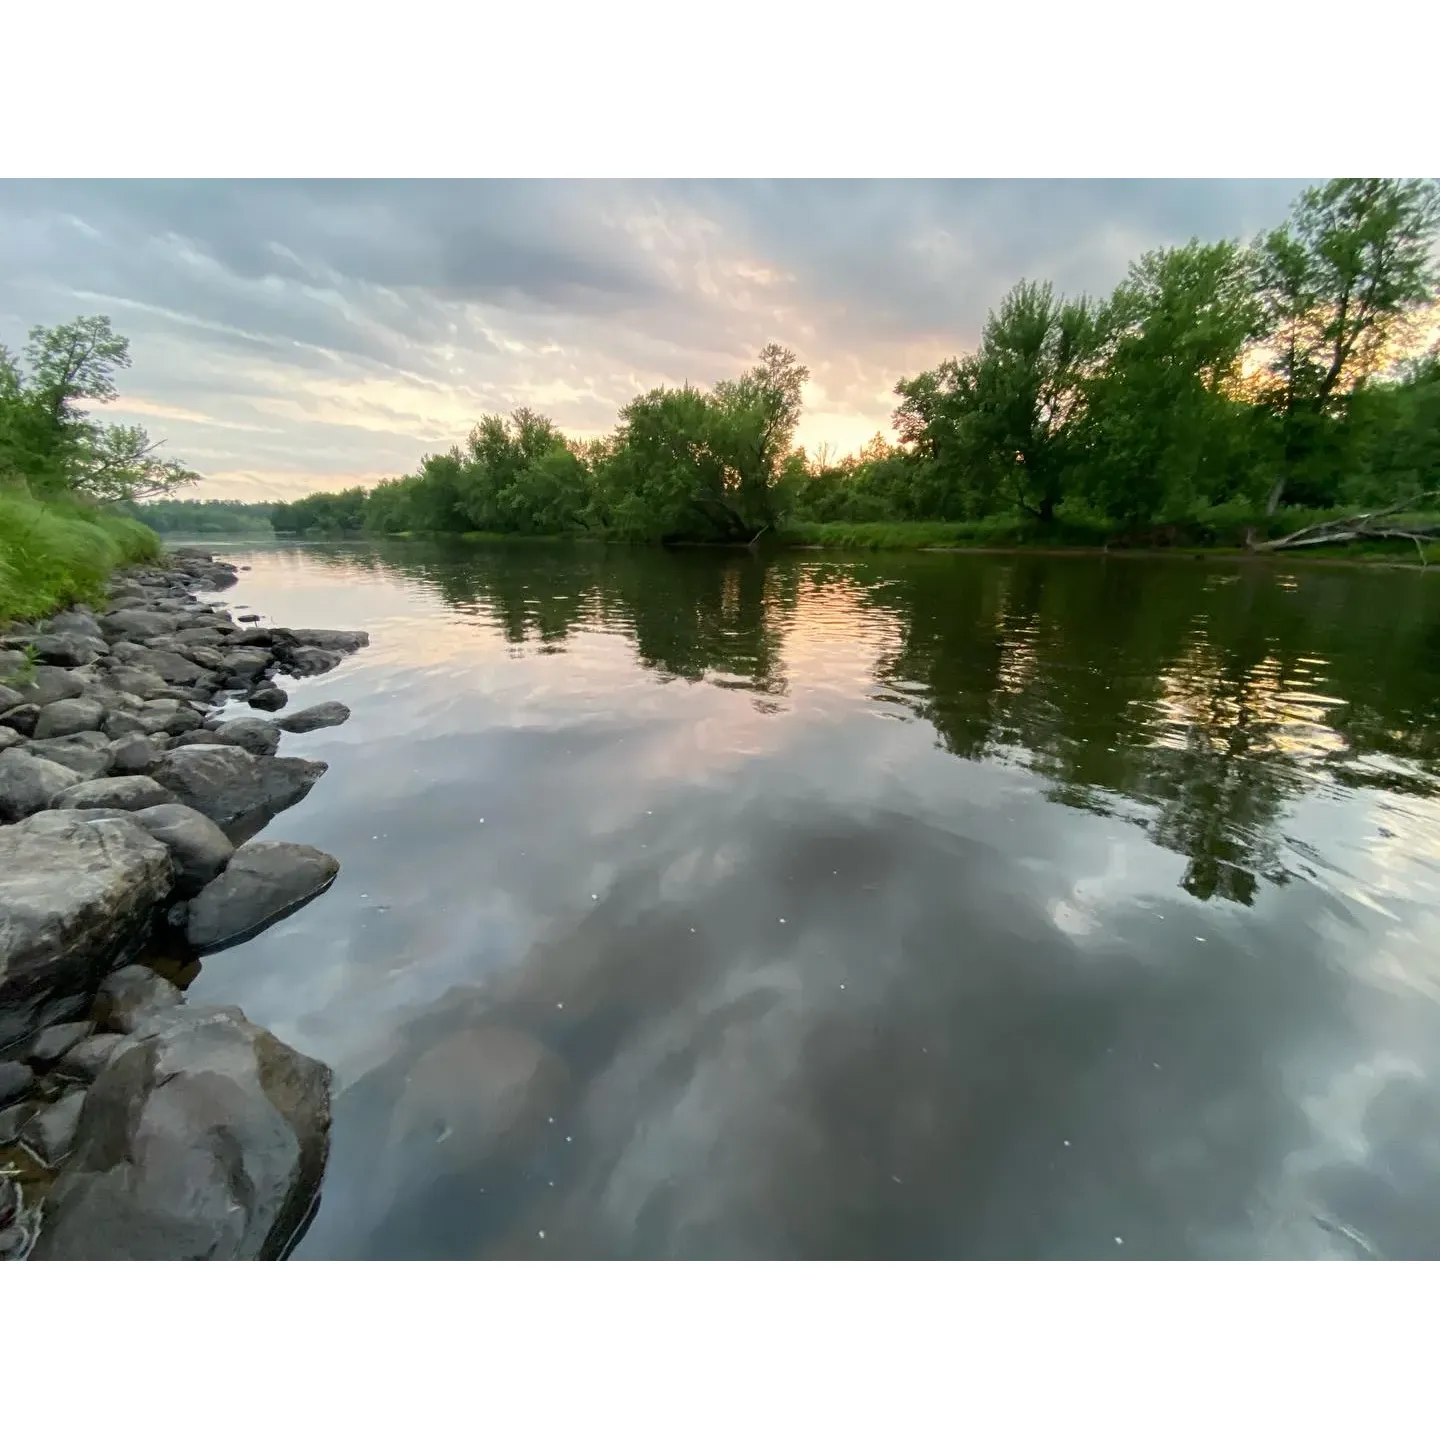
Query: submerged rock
(240, 792)
(315, 717)
(264, 882)
(29, 783)
(206, 1141)
(74, 896)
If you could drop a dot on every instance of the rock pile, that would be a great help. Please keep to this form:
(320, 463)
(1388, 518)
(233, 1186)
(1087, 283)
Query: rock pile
(129, 803)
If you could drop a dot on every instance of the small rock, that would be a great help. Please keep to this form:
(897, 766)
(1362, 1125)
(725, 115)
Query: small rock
(29, 783)
(131, 993)
(120, 792)
(15, 1080)
(50, 1132)
(52, 1042)
(9, 698)
(249, 732)
(21, 718)
(315, 717)
(264, 882)
(9, 737)
(305, 660)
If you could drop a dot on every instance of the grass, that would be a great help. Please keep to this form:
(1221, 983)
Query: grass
(55, 553)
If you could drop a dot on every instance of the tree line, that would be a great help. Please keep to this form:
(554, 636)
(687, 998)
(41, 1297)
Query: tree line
(1250, 377)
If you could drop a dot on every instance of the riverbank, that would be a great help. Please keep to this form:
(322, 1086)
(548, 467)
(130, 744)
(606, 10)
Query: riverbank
(130, 798)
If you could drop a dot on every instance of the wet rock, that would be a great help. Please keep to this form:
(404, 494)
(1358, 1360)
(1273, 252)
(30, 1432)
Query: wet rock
(75, 896)
(305, 660)
(247, 619)
(15, 1081)
(137, 624)
(29, 783)
(264, 882)
(68, 717)
(134, 754)
(207, 1141)
(345, 641)
(268, 697)
(132, 993)
(49, 1134)
(20, 718)
(85, 1061)
(53, 1041)
(87, 753)
(198, 847)
(315, 717)
(240, 792)
(119, 792)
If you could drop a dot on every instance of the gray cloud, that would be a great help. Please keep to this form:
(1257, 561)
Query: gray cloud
(293, 334)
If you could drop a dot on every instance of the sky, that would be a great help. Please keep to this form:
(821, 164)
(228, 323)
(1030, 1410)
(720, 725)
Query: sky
(290, 336)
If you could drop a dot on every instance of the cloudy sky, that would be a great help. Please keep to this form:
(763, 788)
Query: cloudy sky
(293, 336)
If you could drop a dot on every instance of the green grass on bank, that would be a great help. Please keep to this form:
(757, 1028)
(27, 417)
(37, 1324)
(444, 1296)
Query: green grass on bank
(55, 554)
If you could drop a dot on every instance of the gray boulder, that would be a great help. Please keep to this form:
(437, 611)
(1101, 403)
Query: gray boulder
(20, 718)
(246, 662)
(50, 1132)
(74, 896)
(46, 684)
(206, 1141)
(315, 717)
(9, 698)
(29, 783)
(131, 994)
(9, 737)
(175, 669)
(15, 1081)
(86, 1060)
(87, 753)
(137, 624)
(136, 680)
(75, 622)
(264, 882)
(134, 754)
(268, 697)
(54, 1040)
(306, 660)
(198, 847)
(249, 732)
(240, 792)
(67, 651)
(67, 717)
(13, 1119)
(345, 641)
(119, 792)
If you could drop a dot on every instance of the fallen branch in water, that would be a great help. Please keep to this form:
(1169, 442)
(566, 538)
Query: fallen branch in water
(1348, 528)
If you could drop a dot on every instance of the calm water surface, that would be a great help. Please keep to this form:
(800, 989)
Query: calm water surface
(931, 906)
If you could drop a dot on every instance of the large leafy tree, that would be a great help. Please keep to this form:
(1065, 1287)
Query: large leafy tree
(1341, 283)
(1164, 430)
(47, 437)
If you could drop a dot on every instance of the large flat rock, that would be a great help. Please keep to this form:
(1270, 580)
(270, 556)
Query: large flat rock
(75, 897)
(206, 1140)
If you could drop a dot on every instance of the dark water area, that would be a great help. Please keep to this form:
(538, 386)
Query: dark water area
(923, 906)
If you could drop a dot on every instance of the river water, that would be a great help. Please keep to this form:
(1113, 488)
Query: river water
(923, 906)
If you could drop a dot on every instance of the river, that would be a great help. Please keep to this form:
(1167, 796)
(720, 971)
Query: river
(922, 906)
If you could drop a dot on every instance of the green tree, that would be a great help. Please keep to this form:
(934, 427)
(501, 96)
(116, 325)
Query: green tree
(1340, 283)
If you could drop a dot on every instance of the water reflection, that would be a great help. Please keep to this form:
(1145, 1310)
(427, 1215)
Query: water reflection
(713, 905)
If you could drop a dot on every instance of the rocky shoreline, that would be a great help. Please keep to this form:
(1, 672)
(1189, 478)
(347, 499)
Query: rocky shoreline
(133, 1125)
